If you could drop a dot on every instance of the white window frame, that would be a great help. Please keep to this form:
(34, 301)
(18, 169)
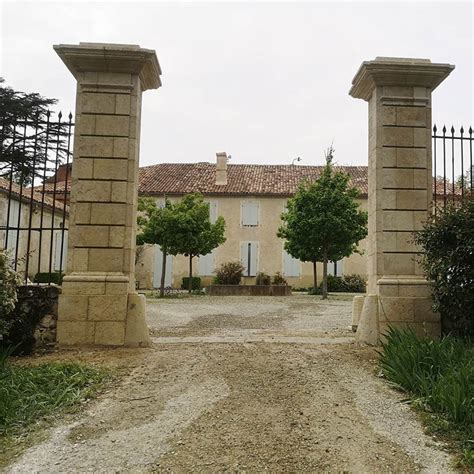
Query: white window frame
(243, 212)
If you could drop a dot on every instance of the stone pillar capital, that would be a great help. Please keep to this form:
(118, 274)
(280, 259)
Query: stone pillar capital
(112, 58)
(410, 72)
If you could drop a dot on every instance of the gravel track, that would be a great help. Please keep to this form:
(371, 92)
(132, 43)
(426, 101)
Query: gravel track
(240, 385)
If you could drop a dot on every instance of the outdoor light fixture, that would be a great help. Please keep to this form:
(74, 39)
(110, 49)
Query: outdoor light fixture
(295, 159)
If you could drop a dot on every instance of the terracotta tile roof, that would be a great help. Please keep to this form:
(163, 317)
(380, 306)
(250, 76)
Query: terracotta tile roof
(271, 180)
(26, 195)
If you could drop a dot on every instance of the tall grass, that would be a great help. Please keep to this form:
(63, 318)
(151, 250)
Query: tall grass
(29, 394)
(439, 374)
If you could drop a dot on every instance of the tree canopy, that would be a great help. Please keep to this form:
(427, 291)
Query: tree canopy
(183, 227)
(323, 221)
(30, 138)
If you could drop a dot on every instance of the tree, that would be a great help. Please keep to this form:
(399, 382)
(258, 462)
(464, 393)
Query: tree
(323, 221)
(194, 234)
(157, 226)
(28, 135)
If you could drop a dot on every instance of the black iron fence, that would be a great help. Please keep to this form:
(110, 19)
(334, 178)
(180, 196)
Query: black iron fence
(35, 164)
(453, 169)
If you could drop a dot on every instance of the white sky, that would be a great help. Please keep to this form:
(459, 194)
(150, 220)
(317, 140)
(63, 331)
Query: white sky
(265, 82)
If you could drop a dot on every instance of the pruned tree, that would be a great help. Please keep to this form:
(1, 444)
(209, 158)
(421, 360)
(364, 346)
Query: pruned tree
(156, 225)
(194, 234)
(323, 221)
(29, 137)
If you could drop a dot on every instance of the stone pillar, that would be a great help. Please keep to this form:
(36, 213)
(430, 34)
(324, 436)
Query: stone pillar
(99, 303)
(398, 91)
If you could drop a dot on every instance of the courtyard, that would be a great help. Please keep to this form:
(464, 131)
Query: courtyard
(237, 384)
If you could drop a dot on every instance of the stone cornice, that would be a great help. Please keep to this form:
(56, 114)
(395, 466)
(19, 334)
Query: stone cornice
(107, 57)
(397, 72)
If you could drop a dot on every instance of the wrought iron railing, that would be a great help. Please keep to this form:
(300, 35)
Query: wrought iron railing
(453, 169)
(35, 166)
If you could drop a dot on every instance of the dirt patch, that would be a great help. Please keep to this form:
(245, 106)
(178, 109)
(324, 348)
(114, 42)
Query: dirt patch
(240, 407)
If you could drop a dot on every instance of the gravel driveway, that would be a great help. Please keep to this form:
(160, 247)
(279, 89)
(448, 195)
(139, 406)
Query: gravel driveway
(238, 384)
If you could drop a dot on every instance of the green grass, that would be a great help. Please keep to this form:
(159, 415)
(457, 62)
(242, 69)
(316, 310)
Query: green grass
(439, 377)
(31, 394)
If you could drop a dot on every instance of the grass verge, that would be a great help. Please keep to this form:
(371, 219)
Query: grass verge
(32, 395)
(438, 375)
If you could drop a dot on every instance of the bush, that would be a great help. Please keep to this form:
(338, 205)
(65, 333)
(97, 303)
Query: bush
(9, 281)
(448, 261)
(353, 284)
(278, 279)
(229, 273)
(439, 375)
(46, 277)
(346, 283)
(195, 283)
(263, 279)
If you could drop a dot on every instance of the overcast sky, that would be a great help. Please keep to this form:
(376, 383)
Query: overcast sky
(265, 82)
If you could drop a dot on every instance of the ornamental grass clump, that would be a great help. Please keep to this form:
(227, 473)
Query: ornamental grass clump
(438, 375)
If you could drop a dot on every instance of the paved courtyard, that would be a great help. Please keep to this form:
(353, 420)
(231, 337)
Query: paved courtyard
(240, 385)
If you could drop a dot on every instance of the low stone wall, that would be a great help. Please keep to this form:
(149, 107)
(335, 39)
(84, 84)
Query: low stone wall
(248, 290)
(40, 302)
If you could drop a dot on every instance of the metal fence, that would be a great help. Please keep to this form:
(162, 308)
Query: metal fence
(453, 169)
(35, 163)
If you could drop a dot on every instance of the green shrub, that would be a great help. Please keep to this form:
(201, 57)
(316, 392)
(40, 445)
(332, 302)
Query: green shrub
(9, 282)
(439, 374)
(354, 283)
(229, 273)
(195, 283)
(263, 279)
(278, 279)
(346, 283)
(315, 291)
(46, 277)
(448, 261)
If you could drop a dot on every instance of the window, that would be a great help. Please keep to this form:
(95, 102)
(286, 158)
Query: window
(160, 203)
(249, 257)
(13, 224)
(212, 211)
(291, 265)
(335, 268)
(206, 264)
(60, 263)
(249, 214)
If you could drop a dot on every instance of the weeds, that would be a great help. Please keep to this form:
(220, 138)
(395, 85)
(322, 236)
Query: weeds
(31, 394)
(439, 376)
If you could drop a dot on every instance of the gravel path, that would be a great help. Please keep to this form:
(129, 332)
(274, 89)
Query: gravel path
(240, 385)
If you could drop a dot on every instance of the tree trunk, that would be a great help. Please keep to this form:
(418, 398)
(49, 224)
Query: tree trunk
(163, 273)
(315, 277)
(190, 283)
(325, 277)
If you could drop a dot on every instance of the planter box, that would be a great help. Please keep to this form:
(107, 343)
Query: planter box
(248, 290)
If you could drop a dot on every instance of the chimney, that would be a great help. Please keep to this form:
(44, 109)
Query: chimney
(221, 168)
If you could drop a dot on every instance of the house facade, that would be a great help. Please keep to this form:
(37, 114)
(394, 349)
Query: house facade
(22, 215)
(251, 198)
